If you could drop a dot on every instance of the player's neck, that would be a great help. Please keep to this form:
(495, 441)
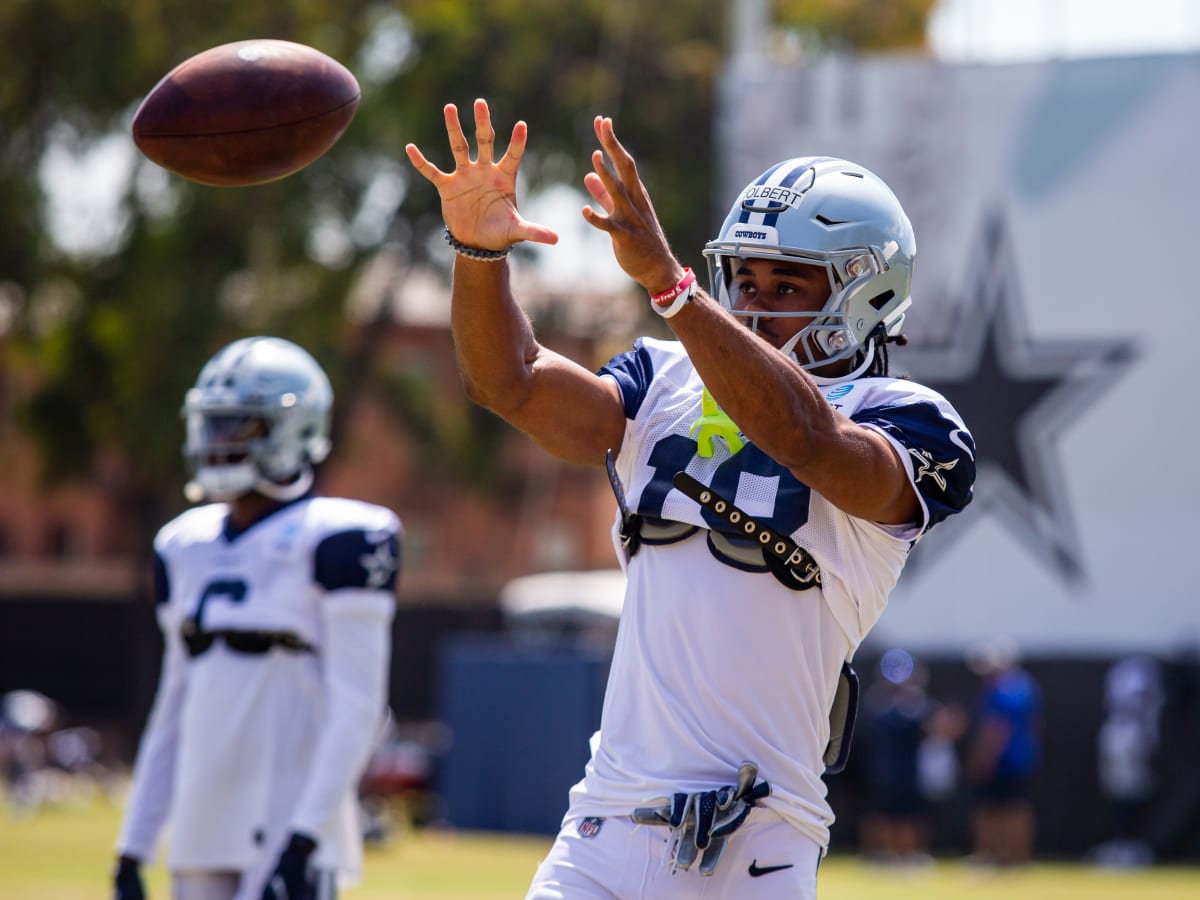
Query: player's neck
(249, 508)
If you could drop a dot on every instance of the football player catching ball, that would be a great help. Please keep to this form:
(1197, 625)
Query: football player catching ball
(771, 479)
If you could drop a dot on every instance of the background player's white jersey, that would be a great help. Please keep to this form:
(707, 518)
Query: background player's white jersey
(721, 649)
(243, 748)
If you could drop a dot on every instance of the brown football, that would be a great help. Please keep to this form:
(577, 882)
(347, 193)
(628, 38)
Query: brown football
(246, 113)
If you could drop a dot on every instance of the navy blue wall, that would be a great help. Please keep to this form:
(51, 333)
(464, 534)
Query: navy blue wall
(519, 721)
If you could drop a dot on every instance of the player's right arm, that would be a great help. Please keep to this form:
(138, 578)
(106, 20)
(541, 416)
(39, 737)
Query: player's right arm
(569, 410)
(154, 769)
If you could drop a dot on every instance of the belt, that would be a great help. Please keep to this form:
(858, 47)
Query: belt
(253, 643)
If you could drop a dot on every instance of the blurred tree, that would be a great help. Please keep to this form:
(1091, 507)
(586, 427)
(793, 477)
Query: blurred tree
(117, 280)
(858, 26)
(121, 280)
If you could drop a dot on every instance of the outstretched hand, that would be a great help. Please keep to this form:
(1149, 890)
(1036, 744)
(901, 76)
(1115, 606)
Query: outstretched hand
(629, 218)
(479, 198)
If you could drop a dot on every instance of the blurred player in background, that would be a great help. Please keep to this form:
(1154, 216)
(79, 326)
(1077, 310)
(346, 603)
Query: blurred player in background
(1127, 749)
(771, 480)
(908, 760)
(1004, 753)
(275, 606)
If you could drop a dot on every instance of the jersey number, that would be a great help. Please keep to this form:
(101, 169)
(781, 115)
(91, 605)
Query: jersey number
(232, 590)
(672, 454)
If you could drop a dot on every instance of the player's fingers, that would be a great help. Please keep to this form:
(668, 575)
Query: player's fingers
(602, 178)
(622, 160)
(485, 134)
(511, 161)
(624, 168)
(596, 220)
(458, 140)
(532, 231)
(600, 166)
(599, 192)
(422, 165)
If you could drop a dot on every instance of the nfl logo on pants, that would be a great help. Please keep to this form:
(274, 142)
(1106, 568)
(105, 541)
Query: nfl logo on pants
(590, 827)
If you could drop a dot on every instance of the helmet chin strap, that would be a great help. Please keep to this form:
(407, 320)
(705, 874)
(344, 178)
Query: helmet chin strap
(290, 491)
(220, 482)
(824, 380)
(197, 490)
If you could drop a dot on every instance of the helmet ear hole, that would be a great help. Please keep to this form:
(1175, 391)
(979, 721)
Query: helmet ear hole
(881, 300)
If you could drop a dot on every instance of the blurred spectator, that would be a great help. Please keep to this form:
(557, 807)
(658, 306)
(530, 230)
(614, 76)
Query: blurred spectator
(1175, 828)
(26, 720)
(1004, 753)
(399, 779)
(909, 761)
(1126, 746)
(75, 751)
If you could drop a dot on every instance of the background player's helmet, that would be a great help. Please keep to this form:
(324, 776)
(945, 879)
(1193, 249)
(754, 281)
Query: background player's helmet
(258, 419)
(837, 215)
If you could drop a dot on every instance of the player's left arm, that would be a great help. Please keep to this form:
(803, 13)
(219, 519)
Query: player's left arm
(358, 570)
(784, 413)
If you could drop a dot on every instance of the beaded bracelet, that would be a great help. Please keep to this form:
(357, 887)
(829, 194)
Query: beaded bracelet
(474, 252)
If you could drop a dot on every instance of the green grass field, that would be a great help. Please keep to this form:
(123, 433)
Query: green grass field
(65, 854)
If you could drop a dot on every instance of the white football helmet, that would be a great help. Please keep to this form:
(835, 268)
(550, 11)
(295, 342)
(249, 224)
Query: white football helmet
(834, 214)
(258, 419)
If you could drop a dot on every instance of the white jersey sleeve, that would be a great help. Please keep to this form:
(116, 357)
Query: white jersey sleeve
(356, 612)
(154, 770)
(930, 436)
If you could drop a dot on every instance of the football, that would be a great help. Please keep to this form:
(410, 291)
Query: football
(246, 113)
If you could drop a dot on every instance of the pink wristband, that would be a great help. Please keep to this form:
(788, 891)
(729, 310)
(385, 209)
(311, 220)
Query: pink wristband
(669, 302)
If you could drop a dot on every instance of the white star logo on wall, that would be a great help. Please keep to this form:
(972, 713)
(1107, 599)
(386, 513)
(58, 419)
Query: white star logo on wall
(1018, 395)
